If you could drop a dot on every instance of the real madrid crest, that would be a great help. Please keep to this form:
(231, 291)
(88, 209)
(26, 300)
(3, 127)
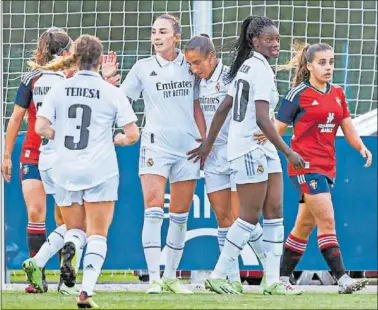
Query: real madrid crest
(150, 162)
(260, 169)
(217, 86)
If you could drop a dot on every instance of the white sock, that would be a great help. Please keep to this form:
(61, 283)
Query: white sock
(93, 260)
(257, 244)
(273, 238)
(236, 239)
(235, 271)
(78, 259)
(175, 243)
(151, 240)
(52, 245)
(222, 233)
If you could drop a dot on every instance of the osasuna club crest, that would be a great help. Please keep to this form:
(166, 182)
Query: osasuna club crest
(313, 184)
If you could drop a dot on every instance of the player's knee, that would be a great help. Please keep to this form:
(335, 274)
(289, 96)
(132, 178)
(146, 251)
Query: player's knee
(36, 213)
(327, 225)
(303, 229)
(273, 211)
(225, 219)
(153, 198)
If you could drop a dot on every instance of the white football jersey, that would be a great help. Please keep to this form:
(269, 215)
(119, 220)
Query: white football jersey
(211, 94)
(167, 88)
(47, 80)
(84, 109)
(254, 81)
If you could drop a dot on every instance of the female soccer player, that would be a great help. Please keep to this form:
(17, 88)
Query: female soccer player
(53, 42)
(89, 174)
(201, 56)
(317, 108)
(174, 120)
(257, 169)
(55, 240)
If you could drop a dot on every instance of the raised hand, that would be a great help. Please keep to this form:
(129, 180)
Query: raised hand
(109, 65)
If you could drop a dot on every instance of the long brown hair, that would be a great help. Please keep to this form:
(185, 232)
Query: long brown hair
(51, 43)
(303, 54)
(85, 54)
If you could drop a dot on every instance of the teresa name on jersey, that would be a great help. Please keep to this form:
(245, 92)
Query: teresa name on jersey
(83, 92)
(174, 89)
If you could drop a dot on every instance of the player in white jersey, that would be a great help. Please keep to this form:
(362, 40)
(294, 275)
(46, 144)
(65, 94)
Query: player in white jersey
(257, 169)
(83, 110)
(174, 121)
(200, 54)
(53, 42)
(55, 240)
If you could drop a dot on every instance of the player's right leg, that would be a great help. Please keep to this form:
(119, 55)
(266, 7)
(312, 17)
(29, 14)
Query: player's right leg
(251, 188)
(35, 200)
(296, 242)
(153, 171)
(218, 188)
(317, 195)
(99, 209)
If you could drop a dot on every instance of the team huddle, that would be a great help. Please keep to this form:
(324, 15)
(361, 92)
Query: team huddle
(200, 114)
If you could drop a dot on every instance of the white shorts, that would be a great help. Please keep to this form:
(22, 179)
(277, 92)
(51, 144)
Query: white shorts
(173, 167)
(254, 167)
(217, 170)
(106, 191)
(48, 183)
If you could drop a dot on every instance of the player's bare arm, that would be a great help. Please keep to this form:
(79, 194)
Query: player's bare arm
(280, 126)
(220, 116)
(269, 130)
(14, 126)
(199, 118)
(355, 141)
(43, 128)
(129, 137)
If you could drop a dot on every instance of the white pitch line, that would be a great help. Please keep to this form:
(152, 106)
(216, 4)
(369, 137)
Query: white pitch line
(123, 287)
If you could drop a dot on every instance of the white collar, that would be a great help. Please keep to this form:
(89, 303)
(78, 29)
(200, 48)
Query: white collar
(179, 60)
(216, 74)
(87, 72)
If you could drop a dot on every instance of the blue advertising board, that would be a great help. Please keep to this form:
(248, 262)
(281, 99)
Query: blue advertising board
(355, 202)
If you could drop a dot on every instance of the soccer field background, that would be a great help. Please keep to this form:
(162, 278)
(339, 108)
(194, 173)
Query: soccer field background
(125, 26)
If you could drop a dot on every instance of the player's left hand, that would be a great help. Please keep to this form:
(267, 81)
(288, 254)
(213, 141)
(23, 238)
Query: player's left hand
(365, 153)
(109, 64)
(260, 138)
(201, 152)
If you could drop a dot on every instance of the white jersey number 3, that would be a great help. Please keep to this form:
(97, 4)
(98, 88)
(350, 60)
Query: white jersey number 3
(84, 132)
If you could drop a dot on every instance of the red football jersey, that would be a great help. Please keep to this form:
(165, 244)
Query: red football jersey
(315, 116)
(24, 98)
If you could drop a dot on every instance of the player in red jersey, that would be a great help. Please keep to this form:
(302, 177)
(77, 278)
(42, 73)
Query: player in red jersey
(316, 108)
(50, 44)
